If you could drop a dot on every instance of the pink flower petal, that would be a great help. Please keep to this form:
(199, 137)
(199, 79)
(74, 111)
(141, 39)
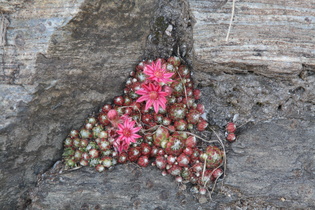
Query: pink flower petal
(141, 92)
(127, 134)
(157, 72)
(147, 92)
(148, 104)
(156, 106)
(143, 98)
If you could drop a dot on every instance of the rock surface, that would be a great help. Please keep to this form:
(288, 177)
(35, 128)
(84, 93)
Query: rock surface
(61, 62)
(266, 37)
(263, 78)
(125, 187)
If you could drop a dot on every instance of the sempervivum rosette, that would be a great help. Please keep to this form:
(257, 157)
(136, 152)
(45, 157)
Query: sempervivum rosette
(152, 122)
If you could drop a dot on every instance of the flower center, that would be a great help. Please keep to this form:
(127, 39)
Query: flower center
(153, 95)
(127, 132)
(158, 74)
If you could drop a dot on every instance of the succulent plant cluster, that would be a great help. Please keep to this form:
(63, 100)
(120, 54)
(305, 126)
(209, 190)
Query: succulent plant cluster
(151, 123)
(230, 132)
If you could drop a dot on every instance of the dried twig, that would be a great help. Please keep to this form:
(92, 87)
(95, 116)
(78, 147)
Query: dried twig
(187, 103)
(224, 157)
(73, 169)
(231, 20)
(3, 29)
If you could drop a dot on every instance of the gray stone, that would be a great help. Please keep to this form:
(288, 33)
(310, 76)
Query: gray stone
(67, 60)
(60, 62)
(125, 187)
(263, 39)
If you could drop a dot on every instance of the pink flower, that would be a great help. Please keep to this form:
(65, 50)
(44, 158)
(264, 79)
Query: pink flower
(127, 134)
(167, 89)
(112, 114)
(157, 73)
(113, 117)
(121, 145)
(152, 94)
